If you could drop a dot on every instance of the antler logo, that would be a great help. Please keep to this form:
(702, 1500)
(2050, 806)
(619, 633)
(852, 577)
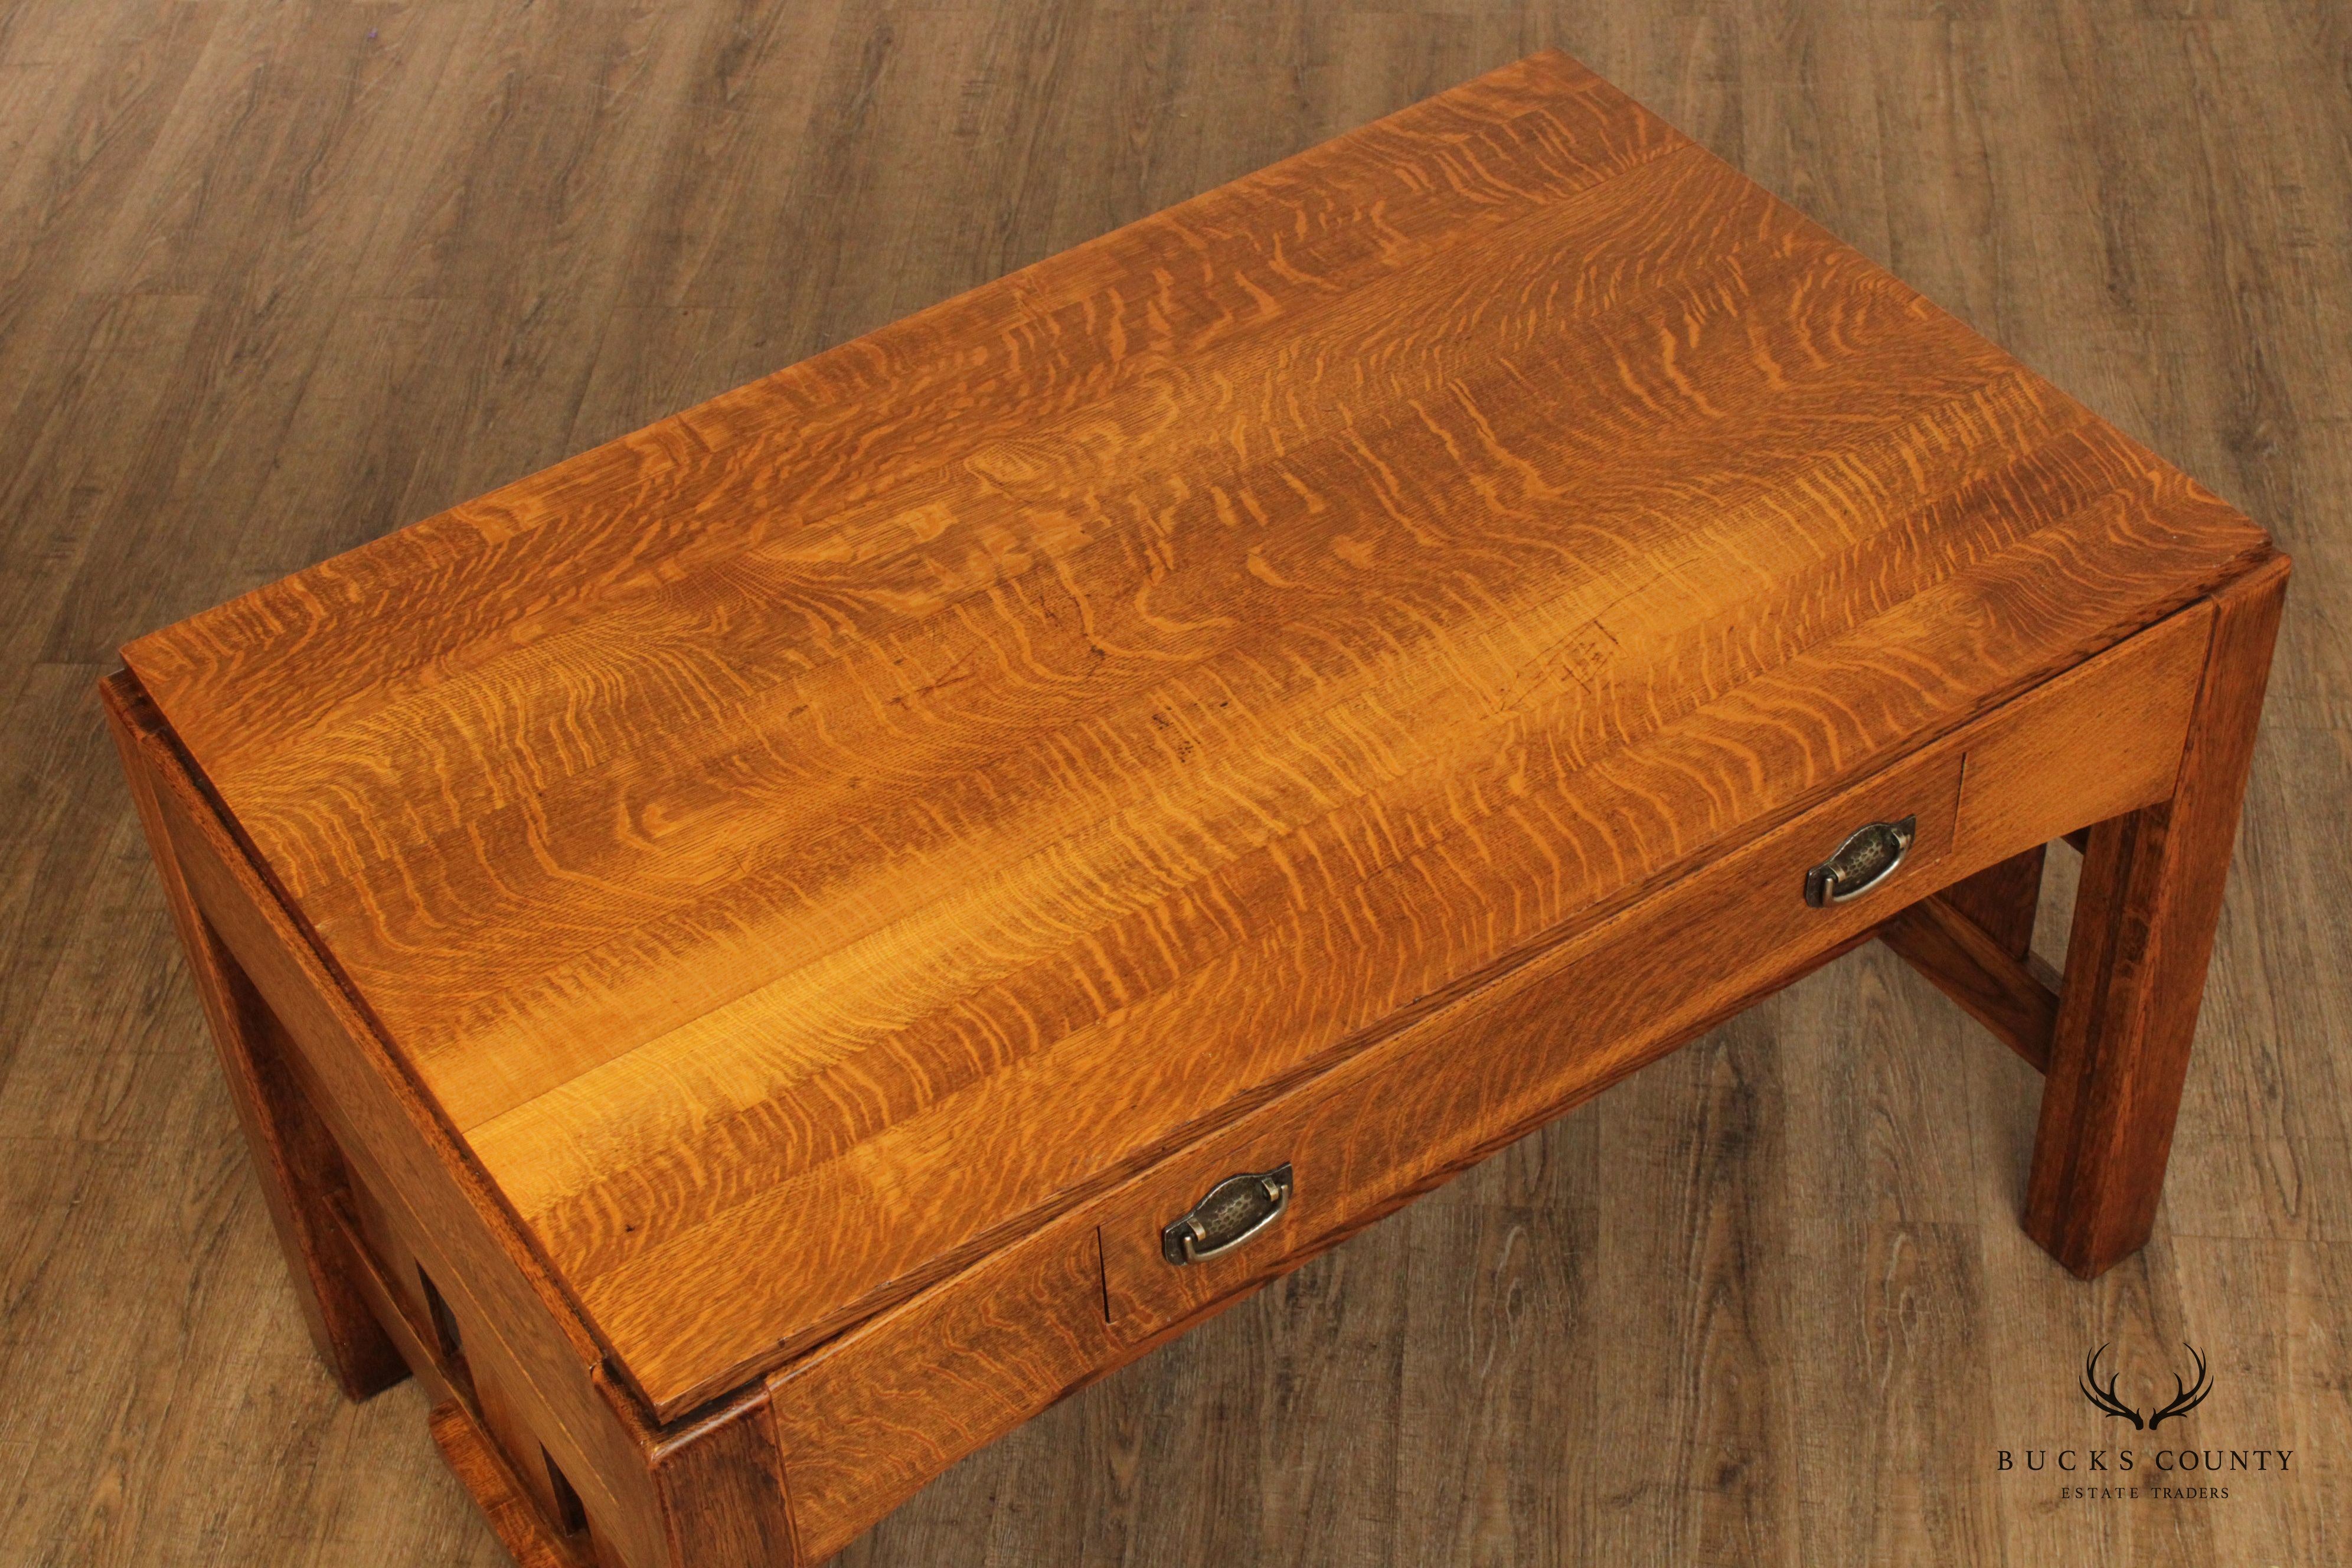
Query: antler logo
(2185, 1398)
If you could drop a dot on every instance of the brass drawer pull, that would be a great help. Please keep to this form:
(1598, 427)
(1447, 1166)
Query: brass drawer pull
(1867, 857)
(1233, 1211)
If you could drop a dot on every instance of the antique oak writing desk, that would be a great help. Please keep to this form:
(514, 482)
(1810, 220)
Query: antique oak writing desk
(757, 959)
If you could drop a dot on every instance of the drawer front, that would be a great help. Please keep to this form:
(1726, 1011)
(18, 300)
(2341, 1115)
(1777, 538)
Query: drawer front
(1471, 1077)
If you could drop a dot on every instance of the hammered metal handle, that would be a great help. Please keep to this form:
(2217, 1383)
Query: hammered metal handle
(1230, 1213)
(1867, 857)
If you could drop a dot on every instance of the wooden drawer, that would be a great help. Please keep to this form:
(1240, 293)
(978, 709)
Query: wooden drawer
(1478, 1073)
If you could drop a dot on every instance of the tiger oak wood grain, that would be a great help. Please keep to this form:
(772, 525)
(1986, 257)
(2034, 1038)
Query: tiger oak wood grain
(1019, 738)
(870, 1416)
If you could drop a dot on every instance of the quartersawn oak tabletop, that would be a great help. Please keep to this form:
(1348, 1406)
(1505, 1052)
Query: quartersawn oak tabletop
(808, 841)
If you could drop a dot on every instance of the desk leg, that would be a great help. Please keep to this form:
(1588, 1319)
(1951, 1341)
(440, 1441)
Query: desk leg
(2143, 929)
(295, 1158)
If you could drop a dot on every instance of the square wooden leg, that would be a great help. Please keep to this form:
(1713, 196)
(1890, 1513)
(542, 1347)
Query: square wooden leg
(2143, 929)
(299, 1169)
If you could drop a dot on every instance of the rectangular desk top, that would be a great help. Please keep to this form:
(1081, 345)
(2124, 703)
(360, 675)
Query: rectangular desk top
(811, 840)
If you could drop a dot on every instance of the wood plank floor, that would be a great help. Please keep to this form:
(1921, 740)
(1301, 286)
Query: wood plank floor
(276, 278)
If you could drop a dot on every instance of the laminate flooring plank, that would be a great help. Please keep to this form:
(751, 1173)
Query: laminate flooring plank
(66, 883)
(1499, 1365)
